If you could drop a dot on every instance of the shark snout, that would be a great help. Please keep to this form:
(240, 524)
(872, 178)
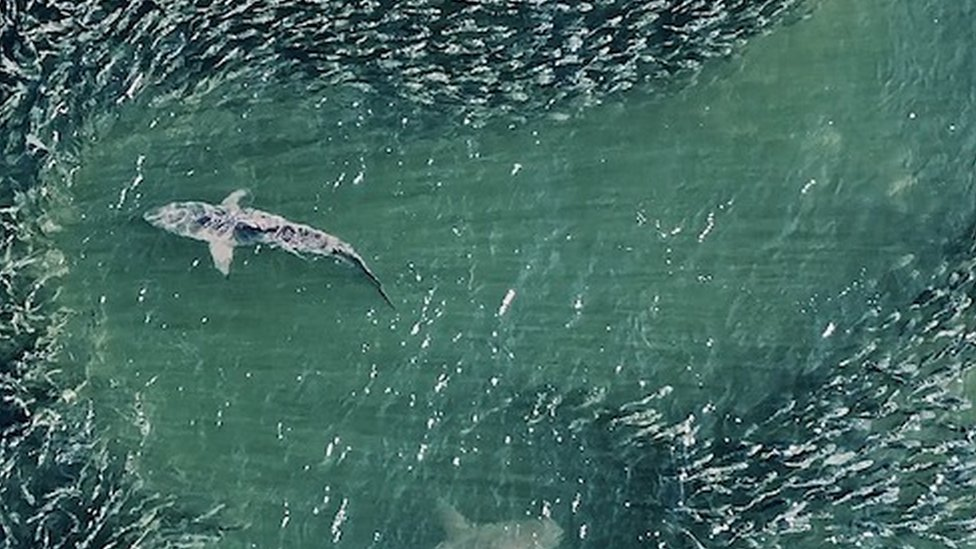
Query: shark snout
(170, 217)
(153, 216)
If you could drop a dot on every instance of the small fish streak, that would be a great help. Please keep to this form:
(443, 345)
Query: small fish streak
(506, 301)
(710, 224)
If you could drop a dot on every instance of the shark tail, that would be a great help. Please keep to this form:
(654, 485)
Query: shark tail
(353, 257)
(453, 522)
(379, 288)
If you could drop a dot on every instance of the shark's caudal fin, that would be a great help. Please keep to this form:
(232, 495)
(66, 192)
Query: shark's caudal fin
(353, 258)
(453, 522)
(379, 288)
(222, 252)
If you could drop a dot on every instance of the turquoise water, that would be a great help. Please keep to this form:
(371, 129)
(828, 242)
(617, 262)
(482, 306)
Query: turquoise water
(712, 246)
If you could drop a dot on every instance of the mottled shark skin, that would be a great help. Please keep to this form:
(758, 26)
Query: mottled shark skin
(538, 533)
(227, 225)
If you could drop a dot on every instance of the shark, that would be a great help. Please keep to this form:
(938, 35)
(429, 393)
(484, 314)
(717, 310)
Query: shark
(535, 533)
(228, 225)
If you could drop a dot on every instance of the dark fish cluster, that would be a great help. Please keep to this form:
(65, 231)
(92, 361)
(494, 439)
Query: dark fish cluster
(873, 445)
(60, 485)
(61, 61)
(874, 448)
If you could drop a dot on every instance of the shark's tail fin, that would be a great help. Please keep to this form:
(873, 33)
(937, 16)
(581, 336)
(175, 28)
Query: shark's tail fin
(453, 522)
(379, 288)
(352, 257)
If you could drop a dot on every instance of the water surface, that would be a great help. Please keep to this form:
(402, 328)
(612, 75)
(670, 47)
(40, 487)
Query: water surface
(711, 245)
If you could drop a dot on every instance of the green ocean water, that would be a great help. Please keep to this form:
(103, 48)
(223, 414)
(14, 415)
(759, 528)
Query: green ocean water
(708, 243)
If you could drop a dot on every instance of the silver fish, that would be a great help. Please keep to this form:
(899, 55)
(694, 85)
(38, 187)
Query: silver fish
(227, 225)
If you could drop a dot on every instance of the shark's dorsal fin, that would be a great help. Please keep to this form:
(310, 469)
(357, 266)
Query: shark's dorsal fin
(233, 199)
(222, 252)
(454, 523)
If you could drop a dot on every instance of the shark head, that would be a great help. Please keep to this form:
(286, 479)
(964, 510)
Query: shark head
(173, 217)
(537, 533)
(201, 221)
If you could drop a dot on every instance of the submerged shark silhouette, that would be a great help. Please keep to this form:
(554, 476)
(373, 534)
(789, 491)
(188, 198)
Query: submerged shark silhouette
(227, 225)
(538, 533)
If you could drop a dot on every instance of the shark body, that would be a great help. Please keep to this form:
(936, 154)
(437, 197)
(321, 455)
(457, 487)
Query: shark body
(537, 533)
(227, 225)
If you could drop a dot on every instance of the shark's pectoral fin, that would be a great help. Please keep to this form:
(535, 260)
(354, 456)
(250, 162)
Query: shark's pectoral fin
(233, 200)
(222, 252)
(453, 522)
